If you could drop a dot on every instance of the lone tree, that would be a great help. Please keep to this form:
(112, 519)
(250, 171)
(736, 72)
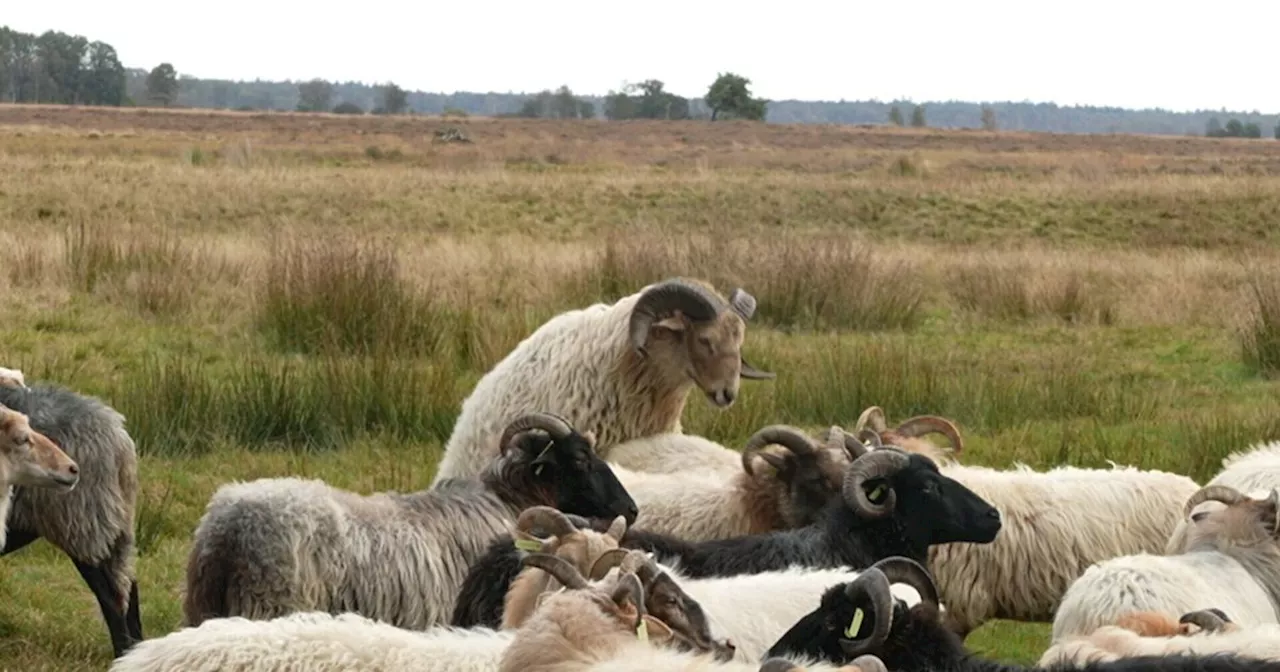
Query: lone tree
(895, 116)
(988, 118)
(917, 117)
(730, 98)
(162, 84)
(395, 100)
(314, 96)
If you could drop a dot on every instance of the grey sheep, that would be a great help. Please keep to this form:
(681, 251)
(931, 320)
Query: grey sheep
(94, 523)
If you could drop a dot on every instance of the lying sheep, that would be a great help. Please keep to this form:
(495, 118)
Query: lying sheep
(322, 642)
(28, 458)
(890, 503)
(273, 546)
(1231, 561)
(914, 639)
(1056, 524)
(676, 453)
(1217, 634)
(621, 370)
(12, 378)
(784, 480)
(93, 524)
(593, 628)
(1255, 471)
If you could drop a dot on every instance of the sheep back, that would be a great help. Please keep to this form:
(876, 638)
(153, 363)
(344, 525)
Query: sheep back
(94, 523)
(676, 453)
(273, 546)
(1056, 524)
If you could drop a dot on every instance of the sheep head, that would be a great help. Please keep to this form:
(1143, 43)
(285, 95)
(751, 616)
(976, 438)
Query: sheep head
(29, 458)
(804, 474)
(688, 329)
(859, 664)
(927, 506)
(909, 434)
(12, 378)
(1244, 521)
(559, 467)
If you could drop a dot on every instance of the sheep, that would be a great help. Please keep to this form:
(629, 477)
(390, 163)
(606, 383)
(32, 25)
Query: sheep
(862, 618)
(1255, 470)
(676, 453)
(1231, 561)
(272, 546)
(784, 487)
(324, 642)
(94, 523)
(12, 378)
(589, 628)
(1133, 637)
(1057, 523)
(621, 370)
(891, 503)
(28, 458)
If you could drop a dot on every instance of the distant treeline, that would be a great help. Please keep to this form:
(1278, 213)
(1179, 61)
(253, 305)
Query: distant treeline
(55, 67)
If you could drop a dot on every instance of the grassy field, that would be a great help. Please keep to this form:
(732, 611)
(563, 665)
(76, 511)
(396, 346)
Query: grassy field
(271, 294)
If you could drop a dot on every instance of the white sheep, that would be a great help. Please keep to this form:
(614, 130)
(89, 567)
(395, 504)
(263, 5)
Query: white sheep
(28, 458)
(1056, 523)
(12, 378)
(676, 453)
(1156, 634)
(1231, 561)
(273, 546)
(621, 371)
(1255, 470)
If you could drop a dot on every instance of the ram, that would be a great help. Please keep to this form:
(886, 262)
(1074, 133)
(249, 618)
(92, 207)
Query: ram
(891, 503)
(1255, 471)
(1057, 523)
(784, 481)
(592, 628)
(1201, 632)
(323, 642)
(1231, 561)
(622, 371)
(862, 618)
(29, 459)
(273, 546)
(94, 523)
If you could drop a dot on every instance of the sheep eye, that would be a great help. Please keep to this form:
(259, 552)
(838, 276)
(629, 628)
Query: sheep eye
(1199, 516)
(23, 439)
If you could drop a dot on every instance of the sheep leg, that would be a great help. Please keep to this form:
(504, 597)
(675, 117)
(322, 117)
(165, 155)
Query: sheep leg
(110, 602)
(134, 616)
(16, 540)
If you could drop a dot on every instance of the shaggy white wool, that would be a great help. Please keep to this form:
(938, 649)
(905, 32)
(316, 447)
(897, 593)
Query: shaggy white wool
(315, 642)
(1055, 525)
(691, 506)
(1168, 584)
(675, 453)
(1254, 471)
(1111, 642)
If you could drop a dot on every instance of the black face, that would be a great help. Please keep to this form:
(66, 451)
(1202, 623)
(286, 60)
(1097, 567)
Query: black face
(810, 488)
(582, 482)
(939, 509)
(817, 635)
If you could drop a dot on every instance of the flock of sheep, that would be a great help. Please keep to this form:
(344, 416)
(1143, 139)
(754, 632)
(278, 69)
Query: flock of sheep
(572, 525)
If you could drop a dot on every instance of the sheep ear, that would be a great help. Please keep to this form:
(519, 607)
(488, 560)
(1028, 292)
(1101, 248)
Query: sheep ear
(779, 463)
(1273, 502)
(674, 323)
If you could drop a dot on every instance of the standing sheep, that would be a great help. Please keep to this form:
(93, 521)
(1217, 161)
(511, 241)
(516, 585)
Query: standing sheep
(621, 370)
(28, 458)
(274, 546)
(93, 524)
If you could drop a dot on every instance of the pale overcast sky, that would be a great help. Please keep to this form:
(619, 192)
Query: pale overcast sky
(1127, 53)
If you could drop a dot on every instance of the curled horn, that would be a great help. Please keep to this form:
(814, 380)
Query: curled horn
(871, 436)
(869, 663)
(642, 565)
(1209, 620)
(629, 584)
(607, 561)
(874, 585)
(875, 464)
(1215, 493)
(872, 418)
(558, 567)
(784, 435)
(899, 569)
(557, 427)
(837, 439)
(923, 425)
(693, 301)
(578, 521)
(547, 518)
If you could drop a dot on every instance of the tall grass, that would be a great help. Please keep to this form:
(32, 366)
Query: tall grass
(1260, 338)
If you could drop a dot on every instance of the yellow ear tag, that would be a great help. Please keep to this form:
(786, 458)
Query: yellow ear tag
(528, 545)
(855, 625)
(876, 494)
(642, 631)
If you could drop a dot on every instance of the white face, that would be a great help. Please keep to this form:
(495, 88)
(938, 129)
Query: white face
(12, 378)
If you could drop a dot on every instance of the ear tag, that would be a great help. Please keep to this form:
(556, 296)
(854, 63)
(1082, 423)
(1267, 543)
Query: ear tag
(528, 545)
(855, 625)
(642, 631)
(877, 494)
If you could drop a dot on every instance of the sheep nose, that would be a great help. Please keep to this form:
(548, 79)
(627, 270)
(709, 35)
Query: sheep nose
(73, 469)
